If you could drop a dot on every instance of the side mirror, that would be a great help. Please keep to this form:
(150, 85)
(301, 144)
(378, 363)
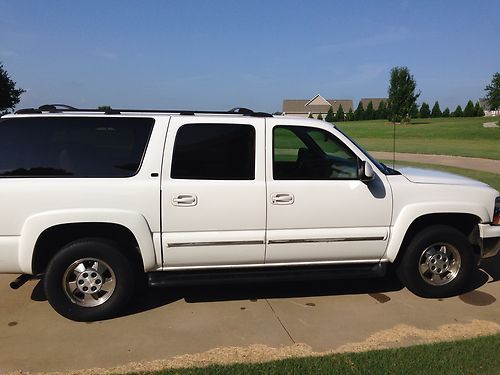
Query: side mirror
(366, 172)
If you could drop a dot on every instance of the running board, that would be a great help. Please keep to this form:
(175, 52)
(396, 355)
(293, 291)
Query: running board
(21, 280)
(265, 274)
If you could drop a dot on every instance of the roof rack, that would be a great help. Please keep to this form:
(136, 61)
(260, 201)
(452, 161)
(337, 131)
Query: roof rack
(60, 108)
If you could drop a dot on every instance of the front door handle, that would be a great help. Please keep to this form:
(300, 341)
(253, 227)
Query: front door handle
(282, 198)
(185, 200)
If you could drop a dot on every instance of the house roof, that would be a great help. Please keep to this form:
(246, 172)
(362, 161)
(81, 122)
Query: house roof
(375, 102)
(317, 104)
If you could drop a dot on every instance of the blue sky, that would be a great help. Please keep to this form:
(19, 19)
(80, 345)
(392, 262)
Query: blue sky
(223, 54)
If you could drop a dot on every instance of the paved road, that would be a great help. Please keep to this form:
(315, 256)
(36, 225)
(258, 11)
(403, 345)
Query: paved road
(161, 324)
(485, 165)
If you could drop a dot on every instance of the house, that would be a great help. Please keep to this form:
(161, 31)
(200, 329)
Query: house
(375, 101)
(483, 103)
(315, 106)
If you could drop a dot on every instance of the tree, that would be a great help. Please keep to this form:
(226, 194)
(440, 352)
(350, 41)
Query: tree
(458, 111)
(381, 112)
(350, 115)
(493, 92)
(414, 110)
(330, 117)
(402, 94)
(320, 117)
(369, 112)
(9, 94)
(425, 111)
(104, 107)
(479, 110)
(436, 111)
(359, 112)
(469, 110)
(310, 115)
(446, 112)
(340, 113)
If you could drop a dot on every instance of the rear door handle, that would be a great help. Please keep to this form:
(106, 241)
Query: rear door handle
(185, 200)
(282, 198)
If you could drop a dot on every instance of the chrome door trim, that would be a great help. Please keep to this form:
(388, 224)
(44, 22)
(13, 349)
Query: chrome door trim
(314, 240)
(215, 243)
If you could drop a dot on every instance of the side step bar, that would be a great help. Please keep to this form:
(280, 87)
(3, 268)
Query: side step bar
(21, 280)
(264, 274)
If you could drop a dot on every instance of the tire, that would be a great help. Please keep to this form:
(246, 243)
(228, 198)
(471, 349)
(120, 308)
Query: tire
(89, 279)
(437, 263)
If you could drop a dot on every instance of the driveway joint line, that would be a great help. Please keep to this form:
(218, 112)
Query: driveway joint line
(279, 320)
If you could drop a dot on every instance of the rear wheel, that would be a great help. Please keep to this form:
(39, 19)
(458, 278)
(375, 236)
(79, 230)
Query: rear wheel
(89, 279)
(437, 263)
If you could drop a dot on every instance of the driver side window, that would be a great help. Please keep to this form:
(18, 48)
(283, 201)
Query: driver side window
(303, 153)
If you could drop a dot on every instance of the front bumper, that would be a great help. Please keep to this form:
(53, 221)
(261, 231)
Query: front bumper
(489, 240)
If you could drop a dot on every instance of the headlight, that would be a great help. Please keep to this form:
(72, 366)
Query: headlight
(496, 212)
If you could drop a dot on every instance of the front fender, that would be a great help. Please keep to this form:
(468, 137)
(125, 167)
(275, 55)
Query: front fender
(412, 212)
(35, 225)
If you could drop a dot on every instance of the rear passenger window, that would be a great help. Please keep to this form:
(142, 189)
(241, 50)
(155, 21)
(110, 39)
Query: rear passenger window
(73, 146)
(214, 152)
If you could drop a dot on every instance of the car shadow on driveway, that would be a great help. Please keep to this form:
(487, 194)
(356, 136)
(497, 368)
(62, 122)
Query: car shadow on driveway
(151, 298)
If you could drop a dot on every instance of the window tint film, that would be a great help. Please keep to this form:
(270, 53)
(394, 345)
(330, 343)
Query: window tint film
(214, 152)
(303, 153)
(72, 146)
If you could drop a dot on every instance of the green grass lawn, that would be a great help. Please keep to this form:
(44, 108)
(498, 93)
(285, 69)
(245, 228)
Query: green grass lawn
(491, 179)
(443, 136)
(474, 356)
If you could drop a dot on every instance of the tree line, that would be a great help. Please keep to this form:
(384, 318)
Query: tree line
(416, 111)
(402, 104)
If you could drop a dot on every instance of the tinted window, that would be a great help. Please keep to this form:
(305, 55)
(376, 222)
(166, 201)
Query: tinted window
(214, 152)
(303, 153)
(72, 146)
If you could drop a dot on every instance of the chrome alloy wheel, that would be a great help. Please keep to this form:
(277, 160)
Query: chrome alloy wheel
(439, 264)
(89, 282)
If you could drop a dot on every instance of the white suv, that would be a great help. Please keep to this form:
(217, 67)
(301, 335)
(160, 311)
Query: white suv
(91, 200)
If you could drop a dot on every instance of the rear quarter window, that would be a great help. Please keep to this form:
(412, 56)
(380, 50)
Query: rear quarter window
(73, 146)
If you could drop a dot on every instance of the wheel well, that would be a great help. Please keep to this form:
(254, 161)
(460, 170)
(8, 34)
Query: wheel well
(54, 238)
(465, 223)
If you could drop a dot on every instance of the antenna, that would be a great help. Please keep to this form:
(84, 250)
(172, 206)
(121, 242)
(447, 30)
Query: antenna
(394, 145)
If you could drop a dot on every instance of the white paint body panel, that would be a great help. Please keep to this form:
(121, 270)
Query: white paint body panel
(226, 211)
(413, 200)
(32, 205)
(344, 209)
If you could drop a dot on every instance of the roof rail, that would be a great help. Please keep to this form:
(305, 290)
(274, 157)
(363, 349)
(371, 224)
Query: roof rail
(27, 111)
(54, 108)
(59, 108)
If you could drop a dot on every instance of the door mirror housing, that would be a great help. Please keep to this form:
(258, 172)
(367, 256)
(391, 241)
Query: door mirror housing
(366, 173)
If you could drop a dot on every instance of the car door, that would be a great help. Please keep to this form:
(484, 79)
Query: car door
(213, 192)
(318, 209)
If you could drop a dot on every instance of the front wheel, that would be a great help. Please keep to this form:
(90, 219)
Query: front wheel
(437, 263)
(88, 280)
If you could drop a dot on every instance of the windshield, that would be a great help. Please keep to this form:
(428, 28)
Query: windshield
(383, 168)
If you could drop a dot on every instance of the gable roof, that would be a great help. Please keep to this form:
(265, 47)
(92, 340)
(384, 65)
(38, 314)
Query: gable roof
(317, 104)
(317, 100)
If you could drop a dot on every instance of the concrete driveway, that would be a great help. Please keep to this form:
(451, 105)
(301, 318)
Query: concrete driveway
(244, 322)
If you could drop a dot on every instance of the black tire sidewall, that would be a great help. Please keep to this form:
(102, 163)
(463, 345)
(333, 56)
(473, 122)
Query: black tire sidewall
(408, 268)
(100, 249)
